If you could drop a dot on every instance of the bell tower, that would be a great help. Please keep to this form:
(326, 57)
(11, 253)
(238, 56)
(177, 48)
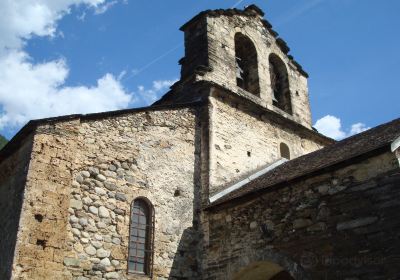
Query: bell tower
(257, 110)
(239, 50)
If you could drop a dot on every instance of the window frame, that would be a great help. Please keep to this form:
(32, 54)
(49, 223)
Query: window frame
(149, 239)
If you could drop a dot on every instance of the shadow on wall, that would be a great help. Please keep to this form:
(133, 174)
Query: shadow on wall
(11, 193)
(13, 173)
(186, 263)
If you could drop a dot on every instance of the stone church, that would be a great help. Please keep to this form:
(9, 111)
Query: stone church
(222, 178)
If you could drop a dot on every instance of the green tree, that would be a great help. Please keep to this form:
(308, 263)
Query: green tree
(3, 141)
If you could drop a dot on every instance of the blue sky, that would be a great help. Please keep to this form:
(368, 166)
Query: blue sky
(79, 56)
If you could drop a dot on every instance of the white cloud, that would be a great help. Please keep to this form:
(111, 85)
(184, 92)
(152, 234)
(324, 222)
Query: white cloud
(103, 8)
(20, 19)
(358, 128)
(29, 90)
(331, 126)
(150, 95)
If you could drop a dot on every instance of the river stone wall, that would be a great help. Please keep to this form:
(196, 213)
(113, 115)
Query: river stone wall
(338, 225)
(148, 154)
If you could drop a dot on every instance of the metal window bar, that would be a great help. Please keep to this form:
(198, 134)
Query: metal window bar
(141, 238)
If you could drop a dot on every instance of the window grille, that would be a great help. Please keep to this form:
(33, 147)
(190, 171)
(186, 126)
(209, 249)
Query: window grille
(141, 239)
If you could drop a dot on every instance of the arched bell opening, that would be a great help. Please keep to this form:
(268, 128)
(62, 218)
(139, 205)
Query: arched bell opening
(281, 96)
(246, 64)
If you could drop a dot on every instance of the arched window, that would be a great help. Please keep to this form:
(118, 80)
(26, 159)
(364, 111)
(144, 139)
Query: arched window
(284, 150)
(279, 84)
(141, 237)
(246, 64)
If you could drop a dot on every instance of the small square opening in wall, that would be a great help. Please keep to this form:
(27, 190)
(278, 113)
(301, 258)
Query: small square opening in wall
(41, 242)
(39, 217)
(248, 153)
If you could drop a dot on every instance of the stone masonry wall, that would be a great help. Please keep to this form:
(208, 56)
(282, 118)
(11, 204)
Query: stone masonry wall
(221, 46)
(339, 225)
(148, 154)
(41, 240)
(241, 143)
(82, 178)
(13, 172)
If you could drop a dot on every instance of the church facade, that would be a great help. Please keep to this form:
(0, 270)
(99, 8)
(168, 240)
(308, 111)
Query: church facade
(222, 178)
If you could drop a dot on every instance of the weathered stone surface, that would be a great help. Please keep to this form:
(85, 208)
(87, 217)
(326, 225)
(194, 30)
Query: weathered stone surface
(84, 240)
(356, 223)
(101, 253)
(116, 241)
(101, 225)
(97, 244)
(79, 178)
(253, 225)
(83, 221)
(120, 196)
(85, 174)
(119, 211)
(100, 191)
(117, 253)
(73, 219)
(93, 171)
(300, 223)
(110, 186)
(76, 204)
(71, 262)
(317, 227)
(103, 212)
(93, 210)
(90, 250)
(76, 231)
(111, 275)
(101, 177)
(98, 237)
(105, 262)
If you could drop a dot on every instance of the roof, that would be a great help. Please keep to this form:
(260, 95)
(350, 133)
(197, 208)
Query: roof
(19, 138)
(250, 11)
(377, 139)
